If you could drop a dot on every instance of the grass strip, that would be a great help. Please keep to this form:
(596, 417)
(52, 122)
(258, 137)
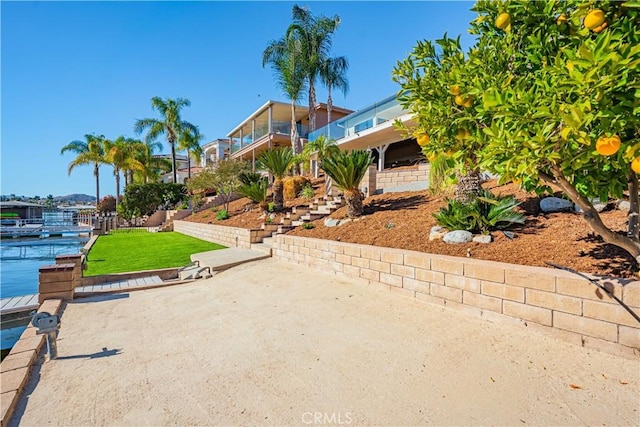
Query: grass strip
(124, 252)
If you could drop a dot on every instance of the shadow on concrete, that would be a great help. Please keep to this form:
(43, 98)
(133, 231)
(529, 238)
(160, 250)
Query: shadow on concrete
(98, 298)
(97, 355)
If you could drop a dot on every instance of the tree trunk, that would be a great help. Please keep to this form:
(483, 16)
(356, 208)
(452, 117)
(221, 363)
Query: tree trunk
(295, 140)
(593, 217)
(278, 197)
(173, 159)
(312, 105)
(468, 187)
(632, 228)
(117, 174)
(96, 173)
(188, 164)
(329, 107)
(354, 203)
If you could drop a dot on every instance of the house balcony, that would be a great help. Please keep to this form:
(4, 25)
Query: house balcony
(355, 123)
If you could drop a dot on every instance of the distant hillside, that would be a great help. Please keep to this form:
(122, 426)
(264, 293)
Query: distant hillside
(75, 198)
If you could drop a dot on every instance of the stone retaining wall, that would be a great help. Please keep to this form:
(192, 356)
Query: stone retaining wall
(393, 178)
(543, 299)
(227, 236)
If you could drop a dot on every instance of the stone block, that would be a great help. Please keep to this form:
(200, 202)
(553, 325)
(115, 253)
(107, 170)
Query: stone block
(351, 249)
(51, 287)
(528, 277)
(383, 267)
(403, 270)
(392, 257)
(416, 285)
(343, 259)
(631, 294)
(65, 295)
(527, 312)
(8, 403)
(370, 274)
(17, 361)
(391, 279)
(14, 380)
(445, 292)
(447, 265)
(370, 253)
(417, 260)
(554, 301)
(461, 282)
(609, 312)
(629, 336)
(586, 326)
(430, 276)
(582, 288)
(407, 293)
(501, 290)
(484, 271)
(360, 262)
(482, 301)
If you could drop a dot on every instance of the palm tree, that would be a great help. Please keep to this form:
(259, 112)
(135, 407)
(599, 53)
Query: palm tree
(347, 170)
(89, 152)
(285, 58)
(120, 154)
(190, 141)
(334, 74)
(316, 37)
(323, 147)
(277, 161)
(152, 167)
(170, 124)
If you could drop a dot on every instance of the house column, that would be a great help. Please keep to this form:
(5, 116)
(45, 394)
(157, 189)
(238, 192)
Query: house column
(253, 131)
(270, 119)
(253, 160)
(381, 150)
(241, 135)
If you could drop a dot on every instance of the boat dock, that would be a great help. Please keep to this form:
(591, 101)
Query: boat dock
(43, 231)
(19, 304)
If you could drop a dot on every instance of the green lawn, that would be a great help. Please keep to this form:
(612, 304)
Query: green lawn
(123, 252)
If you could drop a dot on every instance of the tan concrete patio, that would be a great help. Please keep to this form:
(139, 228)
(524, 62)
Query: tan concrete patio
(269, 343)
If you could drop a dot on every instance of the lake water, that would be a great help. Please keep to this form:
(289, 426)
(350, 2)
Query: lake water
(20, 261)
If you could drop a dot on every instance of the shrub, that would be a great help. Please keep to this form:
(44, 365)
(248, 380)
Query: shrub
(222, 215)
(249, 177)
(439, 174)
(487, 212)
(293, 185)
(107, 204)
(145, 199)
(256, 191)
(308, 225)
(307, 192)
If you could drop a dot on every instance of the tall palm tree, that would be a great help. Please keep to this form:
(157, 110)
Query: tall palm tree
(189, 140)
(316, 36)
(89, 152)
(170, 124)
(285, 58)
(120, 155)
(333, 73)
(277, 161)
(347, 170)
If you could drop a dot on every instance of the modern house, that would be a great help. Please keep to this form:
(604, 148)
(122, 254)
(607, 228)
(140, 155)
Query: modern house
(182, 168)
(270, 126)
(213, 151)
(372, 128)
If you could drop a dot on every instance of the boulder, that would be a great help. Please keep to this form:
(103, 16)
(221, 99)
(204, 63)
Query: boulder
(555, 204)
(458, 236)
(483, 238)
(623, 205)
(330, 222)
(345, 221)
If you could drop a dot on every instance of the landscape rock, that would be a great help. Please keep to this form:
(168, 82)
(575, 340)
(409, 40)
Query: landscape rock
(555, 204)
(458, 236)
(483, 238)
(330, 222)
(344, 221)
(436, 235)
(438, 229)
(597, 205)
(623, 205)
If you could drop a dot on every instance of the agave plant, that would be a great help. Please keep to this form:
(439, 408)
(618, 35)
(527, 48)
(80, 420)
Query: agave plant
(347, 170)
(277, 161)
(485, 213)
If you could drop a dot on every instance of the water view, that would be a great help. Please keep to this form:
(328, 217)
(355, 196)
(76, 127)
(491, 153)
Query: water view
(20, 260)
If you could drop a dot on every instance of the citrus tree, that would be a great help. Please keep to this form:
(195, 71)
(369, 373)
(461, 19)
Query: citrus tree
(555, 93)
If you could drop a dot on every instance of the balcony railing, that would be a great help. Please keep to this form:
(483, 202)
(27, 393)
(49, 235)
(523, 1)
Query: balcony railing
(378, 113)
(277, 127)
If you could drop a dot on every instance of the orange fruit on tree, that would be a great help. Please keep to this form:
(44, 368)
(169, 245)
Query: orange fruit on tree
(503, 20)
(594, 19)
(562, 19)
(423, 139)
(454, 90)
(608, 146)
(600, 28)
(459, 100)
(635, 165)
(468, 102)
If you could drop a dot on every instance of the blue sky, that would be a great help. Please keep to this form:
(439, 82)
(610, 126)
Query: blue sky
(75, 68)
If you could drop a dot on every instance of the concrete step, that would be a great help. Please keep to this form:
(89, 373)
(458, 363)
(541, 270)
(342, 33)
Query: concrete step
(194, 272)
(262, 247)
(312, 216)
(222, 259)
(268, 241)
(298, 210)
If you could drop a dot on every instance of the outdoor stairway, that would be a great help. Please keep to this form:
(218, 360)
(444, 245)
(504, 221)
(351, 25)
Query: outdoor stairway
(317, 209)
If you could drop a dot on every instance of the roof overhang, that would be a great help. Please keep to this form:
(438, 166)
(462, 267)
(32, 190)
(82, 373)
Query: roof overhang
(281, 111)
(385, 133)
